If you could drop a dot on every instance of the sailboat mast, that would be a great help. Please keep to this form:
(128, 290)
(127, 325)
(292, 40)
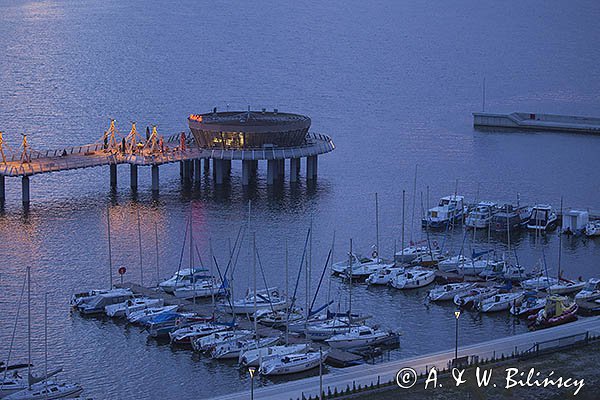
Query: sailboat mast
(254, 283)
(287, 314)
(402, 245)
(350, 305)
(139, 226)
(412, 221)
(309, 269)
(46, 340)
(560, 240)
(508, 228)
(157, 262)
(192, 255)
(109, 248)
(377, 226)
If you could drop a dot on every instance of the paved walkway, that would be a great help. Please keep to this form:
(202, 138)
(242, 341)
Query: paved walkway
(367, 374)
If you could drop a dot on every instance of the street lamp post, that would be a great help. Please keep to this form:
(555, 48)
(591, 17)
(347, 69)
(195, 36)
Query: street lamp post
(457, 316)
(251, 370)
(320, 374)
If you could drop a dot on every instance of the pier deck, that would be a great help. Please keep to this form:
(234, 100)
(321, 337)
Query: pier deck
(385, 372)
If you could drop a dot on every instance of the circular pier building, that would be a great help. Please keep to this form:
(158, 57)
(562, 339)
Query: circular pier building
(252, 136)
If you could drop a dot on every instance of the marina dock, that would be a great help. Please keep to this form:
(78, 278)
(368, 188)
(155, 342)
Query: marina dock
(372, 374)
(542, 122)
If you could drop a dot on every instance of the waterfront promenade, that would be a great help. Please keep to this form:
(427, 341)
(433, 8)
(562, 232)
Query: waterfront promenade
(366, 374)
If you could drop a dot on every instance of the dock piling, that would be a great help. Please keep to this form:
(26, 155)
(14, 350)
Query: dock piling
(133, 173)
(2, 189)
(294, 169)
(197, 170)
(246, 170)
(113, 175)
(218, 171)
(271, 171)
(155, 178)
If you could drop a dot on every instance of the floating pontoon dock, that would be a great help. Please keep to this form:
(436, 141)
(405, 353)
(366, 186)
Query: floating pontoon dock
(541, 122)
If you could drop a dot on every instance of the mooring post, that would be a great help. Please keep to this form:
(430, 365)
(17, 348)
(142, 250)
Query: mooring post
(294, 167)
(271, 171)
(309, 168)
(246, 171)
(25, 189)
(2, 189)
(113, 175)
(133, 175)
(155, 178)
(197, 170)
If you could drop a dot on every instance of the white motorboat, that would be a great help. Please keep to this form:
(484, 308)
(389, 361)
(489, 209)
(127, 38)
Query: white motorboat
(448, 291)
(132, 305)
(529, 305)
(208, 342)
(47, 390)
(539, 283)
(411, 252)
(481, 216)
(384, 276)
(234, 348)
(565, 286)
(326, 329)
(452, 264)
(254, 357)
(146, 314)
(201, 288)
(450, 210)
(413, 278)
(292, 363)
(474, 296)
(79, 298)
(510, 217)
(593, 228)
(189, 333)
(96, 304)
(590, 292)
(270, 299)
(358, 337)
(499, 302)
(184, 277)
(542, 218)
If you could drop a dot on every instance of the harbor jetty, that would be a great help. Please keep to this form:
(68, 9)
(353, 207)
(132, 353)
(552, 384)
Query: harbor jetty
(217, 139)
(542, 122)
(521, 345)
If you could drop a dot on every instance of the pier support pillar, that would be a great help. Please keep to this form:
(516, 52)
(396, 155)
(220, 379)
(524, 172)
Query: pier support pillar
(197, 170)
(2, 189)
(191, 169)
(294, 167)
(206, 165)
(181, 169)
(218, 171)
(254, 167)
(25, 189)
(113, 175)
(227, 167)
(246, 172)
(271, 171)
(133, 174)
(281, 170)
(311, 167)
(185, 168)
(155, 178)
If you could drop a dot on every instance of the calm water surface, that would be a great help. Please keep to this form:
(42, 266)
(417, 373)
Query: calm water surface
(394, 83)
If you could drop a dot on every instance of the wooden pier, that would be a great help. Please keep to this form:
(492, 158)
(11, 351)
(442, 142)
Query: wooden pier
(155, 151)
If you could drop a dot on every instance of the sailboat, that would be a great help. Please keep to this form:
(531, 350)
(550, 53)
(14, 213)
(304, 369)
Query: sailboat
(254, 357)
(292, 363)
(448, 291)
(499, 302)
(413, 278)
(132, 305)
(40, 388)
(359, 336)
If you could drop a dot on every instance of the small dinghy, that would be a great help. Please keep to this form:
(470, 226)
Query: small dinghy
(413, 278)
(558, 310)
(499, 302)
(359, 336)
(527, 306)
(132, 305)
(565, 286)
(538, 283)
(146, 314)
(206, 343)
(46, 390)
(292, 363)
(448, 291)
(474, 296)
(234, 348)
(590, 292)
(189, 333)
(254, 357)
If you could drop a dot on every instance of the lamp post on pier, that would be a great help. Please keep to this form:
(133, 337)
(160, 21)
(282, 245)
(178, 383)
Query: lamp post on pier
(251, 370)
(457, 316)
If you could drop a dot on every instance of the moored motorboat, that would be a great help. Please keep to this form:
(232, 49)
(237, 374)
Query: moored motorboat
(590, 292)
(449, 211)
(530, 304)
(292, 363)
(510, 217)
(543, 218)
(448, 291)
(481, 216)
(557, 311)
(184, 277)
(413, 278)
(499, 302)
(146, 314)
(97, 303)
(359, 336)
